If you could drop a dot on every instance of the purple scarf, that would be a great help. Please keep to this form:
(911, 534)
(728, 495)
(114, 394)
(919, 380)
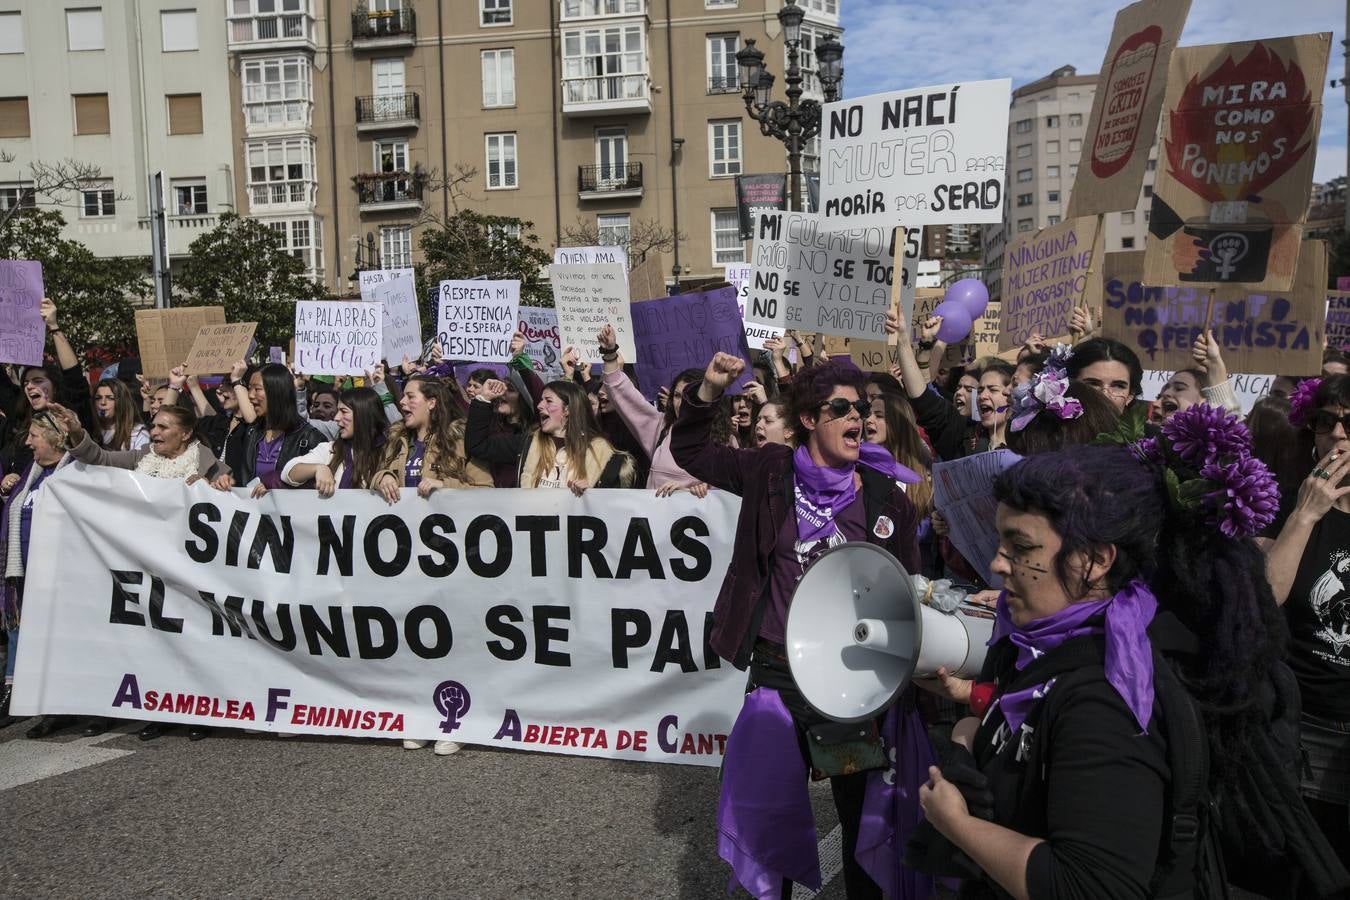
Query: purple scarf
(823, 491)
(1129, 656)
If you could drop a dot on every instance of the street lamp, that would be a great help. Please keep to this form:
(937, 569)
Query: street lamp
(796, 121)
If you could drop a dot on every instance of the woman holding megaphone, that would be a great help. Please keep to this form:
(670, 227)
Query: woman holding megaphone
(833, 488)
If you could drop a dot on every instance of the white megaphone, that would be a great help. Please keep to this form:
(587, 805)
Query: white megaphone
(858, 633)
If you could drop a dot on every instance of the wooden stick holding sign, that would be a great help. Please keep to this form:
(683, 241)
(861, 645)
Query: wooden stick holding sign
(898, 278)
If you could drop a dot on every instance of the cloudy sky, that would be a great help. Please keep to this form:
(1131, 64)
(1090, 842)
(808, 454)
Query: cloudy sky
(893, 44)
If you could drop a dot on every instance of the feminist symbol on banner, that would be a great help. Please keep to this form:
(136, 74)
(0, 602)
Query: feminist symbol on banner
(452, 701)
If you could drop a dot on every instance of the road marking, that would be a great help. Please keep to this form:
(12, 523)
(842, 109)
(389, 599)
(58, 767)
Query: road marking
(830, 850)
(23, 761)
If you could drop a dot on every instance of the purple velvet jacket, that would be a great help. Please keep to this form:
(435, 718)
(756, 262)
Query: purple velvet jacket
(763, 479)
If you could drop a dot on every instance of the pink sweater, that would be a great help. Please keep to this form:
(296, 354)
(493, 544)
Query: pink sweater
(645, 422)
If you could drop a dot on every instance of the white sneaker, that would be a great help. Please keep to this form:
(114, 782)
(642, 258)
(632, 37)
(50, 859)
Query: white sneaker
(445, 748)
(409, 744)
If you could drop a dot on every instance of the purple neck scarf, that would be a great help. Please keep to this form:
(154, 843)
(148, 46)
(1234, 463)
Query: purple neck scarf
(822, 491)
(1129, 656)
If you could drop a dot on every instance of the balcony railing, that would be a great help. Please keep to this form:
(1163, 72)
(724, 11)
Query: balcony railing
(392, 190)
(610, 180)
(724, 84)
(277, 30)
(377, 26)
(587, 9)
(602, 94)
(388, 111)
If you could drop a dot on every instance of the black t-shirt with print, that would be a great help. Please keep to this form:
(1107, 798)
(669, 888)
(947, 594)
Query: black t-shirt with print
(1318, 611)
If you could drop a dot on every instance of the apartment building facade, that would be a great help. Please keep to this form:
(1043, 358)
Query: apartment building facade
(132, 87)
(575, 115)
(1046, 129)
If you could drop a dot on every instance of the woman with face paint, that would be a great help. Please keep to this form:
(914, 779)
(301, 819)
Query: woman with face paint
(1129, 689)
(833, 488)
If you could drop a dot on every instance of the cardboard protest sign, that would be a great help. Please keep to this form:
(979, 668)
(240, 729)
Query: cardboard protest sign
(926, 156)
(1045, 275)
(22, 332)
(337, 337)
(1124, 120)
(581, 256)
(476, 319)
(1235, 163)
(217, 348)
(684, 332)
(925, 301)
(542, 345)
(1277, 331)
(1338, 319)
(984, 336)
(165, 336)
(963, 491)
(587, 298)
(833, 282)
(396, 292)
(646, 280)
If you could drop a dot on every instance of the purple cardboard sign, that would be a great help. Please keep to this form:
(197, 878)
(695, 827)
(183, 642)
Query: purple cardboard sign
(276, 355)
(683, 332)
(22, 334)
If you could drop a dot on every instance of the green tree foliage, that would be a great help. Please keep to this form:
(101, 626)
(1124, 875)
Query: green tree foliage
(469, 244)
(241, 266)
(96, 296)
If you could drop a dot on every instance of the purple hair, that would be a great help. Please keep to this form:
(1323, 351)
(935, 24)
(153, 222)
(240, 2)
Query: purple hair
(812, 387)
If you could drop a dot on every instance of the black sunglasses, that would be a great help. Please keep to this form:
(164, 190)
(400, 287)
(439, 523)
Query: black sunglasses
(1323, 422)
(839, 407)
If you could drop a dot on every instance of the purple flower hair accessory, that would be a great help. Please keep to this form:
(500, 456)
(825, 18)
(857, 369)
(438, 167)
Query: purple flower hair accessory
(1247, 498)
(1045, 391)
(1301, 401)
(1202, 432)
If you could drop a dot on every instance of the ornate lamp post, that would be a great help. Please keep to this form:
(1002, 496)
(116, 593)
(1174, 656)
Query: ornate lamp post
(796, 121)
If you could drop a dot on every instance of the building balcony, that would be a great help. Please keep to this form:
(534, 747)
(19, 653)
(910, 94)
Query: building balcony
(381, 29)
(388, 192)
(388, 112)
(724, 84)
(609, 182)
(607, 95)
(272, 32)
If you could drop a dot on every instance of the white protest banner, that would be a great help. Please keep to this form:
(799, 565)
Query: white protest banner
(963, 491)
(542, 345)
(531, 620)
(812, 279)
(337, 337)
(476, 319)
(396, 292)
(1248, 388)
(587, 298)
(585, 256)
(756, 333)
(926, 156)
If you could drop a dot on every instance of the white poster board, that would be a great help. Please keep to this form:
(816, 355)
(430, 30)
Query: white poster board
(396, 292)
(583, 256)
(542, 344)
(925, 156)
(337, 337)
(588, 297)
(476, 319)
(741, 277)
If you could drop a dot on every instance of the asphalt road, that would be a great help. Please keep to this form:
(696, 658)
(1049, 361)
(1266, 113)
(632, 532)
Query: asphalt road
(251, 816)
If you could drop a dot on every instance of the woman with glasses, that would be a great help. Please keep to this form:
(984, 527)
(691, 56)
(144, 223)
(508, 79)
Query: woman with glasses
(1110, 367)
(833, 488)
(1308, 565)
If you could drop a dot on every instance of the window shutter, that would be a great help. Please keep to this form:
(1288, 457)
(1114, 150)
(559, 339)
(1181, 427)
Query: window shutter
(91, 114)
(185, 114)
(14, 117)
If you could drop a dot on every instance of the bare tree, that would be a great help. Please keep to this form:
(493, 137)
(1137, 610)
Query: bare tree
(51, 184)
(644, 236)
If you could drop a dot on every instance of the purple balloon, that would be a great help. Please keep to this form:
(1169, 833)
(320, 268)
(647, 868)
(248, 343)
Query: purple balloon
(956, 322)
(971, 294)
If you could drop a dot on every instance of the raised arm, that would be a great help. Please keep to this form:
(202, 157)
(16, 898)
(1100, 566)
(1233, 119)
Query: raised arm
(691, 439)
(642, 419)
(479, 441)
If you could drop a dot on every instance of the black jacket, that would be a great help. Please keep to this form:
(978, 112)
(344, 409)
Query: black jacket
(243, 447)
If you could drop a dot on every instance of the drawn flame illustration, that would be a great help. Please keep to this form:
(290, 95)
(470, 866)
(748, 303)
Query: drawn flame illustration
(1251, 166)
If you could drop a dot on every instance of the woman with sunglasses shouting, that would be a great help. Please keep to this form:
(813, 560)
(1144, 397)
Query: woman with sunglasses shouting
(831, 489)
(1309, 569)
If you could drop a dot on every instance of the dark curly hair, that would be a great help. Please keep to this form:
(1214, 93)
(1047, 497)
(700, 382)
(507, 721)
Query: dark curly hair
(812, 387)
(1216, 586)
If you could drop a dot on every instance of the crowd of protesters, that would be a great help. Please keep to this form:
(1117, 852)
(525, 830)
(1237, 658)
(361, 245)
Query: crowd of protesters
(1092, 525)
